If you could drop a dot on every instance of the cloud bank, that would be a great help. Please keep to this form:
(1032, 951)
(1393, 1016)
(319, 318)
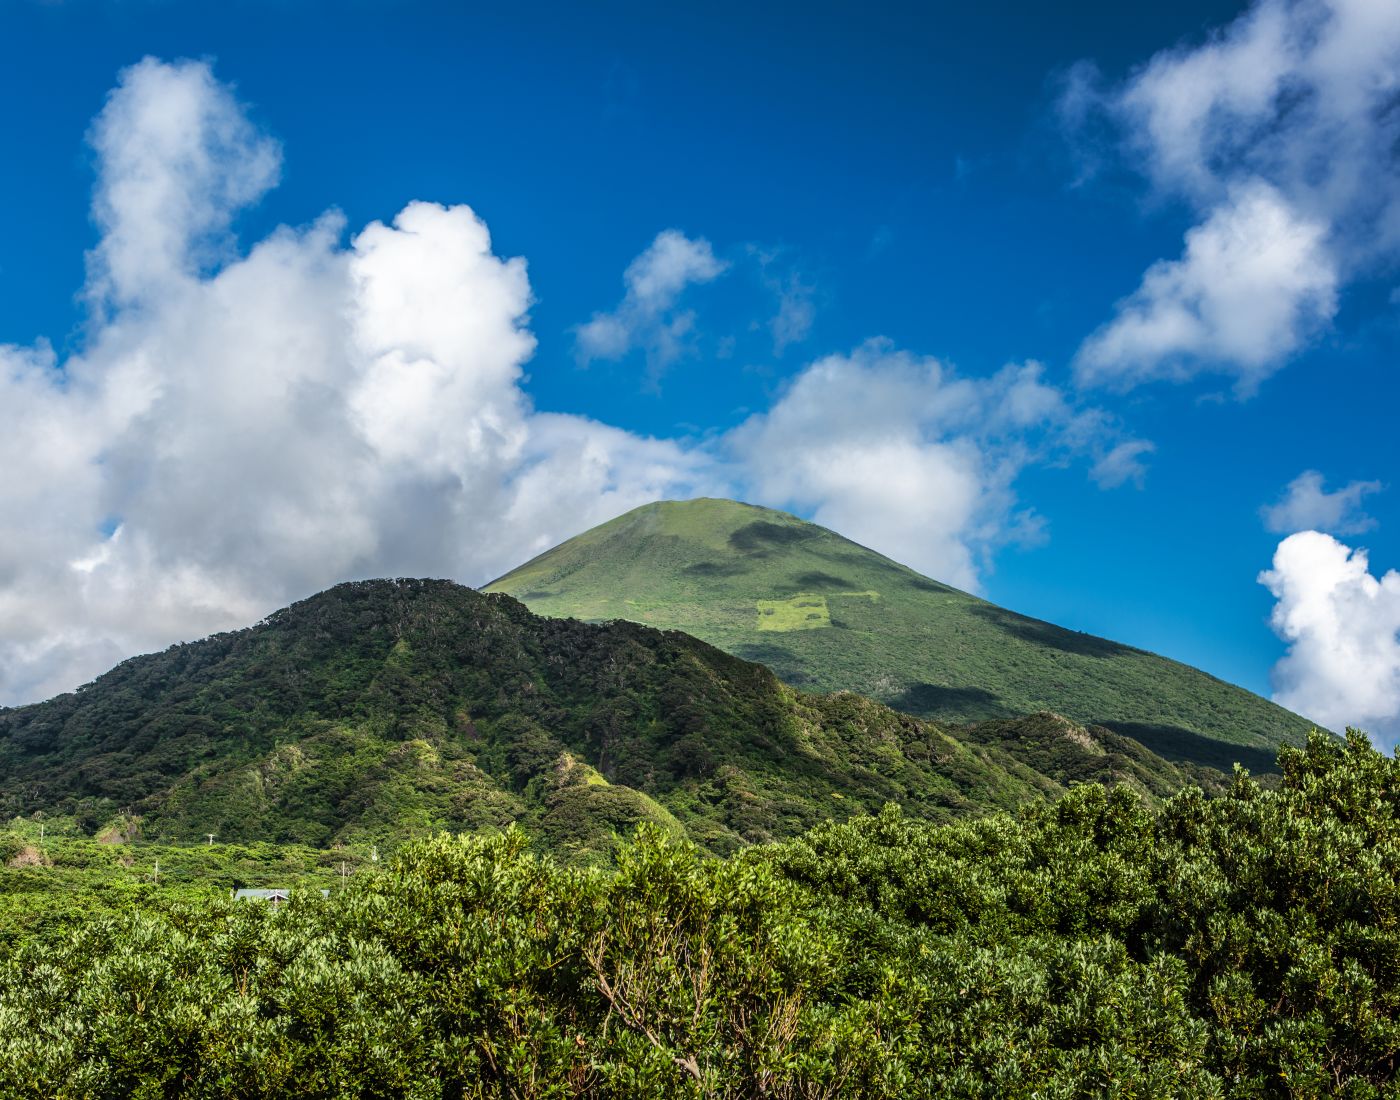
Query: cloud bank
(1342, 626)
(243, 427)
(1281, 131)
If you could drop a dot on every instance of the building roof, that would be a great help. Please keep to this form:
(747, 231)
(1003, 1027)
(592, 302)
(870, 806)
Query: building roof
(262, 895)
(276, 894)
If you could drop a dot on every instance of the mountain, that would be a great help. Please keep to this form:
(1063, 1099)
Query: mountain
(828, 614)
(382, 708)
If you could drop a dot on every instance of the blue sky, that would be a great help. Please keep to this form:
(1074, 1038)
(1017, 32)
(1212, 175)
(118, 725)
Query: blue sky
(980, 188)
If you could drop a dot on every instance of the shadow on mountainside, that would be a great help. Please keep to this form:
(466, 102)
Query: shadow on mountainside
(1055, 637)
(1182, 745)
(716, 569)
(817, 581)
(760, 537)
(783, 664)
(945, 703)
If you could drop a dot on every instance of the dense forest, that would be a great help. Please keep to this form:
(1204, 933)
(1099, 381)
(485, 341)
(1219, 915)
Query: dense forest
(1243, 945)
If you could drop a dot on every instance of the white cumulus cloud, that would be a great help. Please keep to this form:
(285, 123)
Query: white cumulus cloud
(179, 158)
(649, 316)
(1254, 283)
(1342, 626)
(1282, 131)
(904, 455)
(1307, 505)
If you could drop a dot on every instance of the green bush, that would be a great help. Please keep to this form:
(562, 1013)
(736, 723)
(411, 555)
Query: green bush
(1245, 946)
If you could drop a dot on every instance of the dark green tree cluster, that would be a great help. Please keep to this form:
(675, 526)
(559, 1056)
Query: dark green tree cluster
(1244, 946)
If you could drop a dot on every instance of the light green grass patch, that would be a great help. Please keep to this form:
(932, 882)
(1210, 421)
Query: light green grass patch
(800, 612)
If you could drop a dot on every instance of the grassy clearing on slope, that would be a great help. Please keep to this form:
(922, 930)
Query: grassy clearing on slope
(805, 611)
(797, 613)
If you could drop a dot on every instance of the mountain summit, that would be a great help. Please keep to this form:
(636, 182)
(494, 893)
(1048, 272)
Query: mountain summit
(828, 614)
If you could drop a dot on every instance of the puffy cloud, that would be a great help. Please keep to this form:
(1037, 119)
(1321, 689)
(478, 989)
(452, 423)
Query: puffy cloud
(179, 158)
(1297, 92)
(1282, 130)
(900, 453)
(244, 430)
(1306, 505)
(649, 316)
(1342, 626)
(1254, 283)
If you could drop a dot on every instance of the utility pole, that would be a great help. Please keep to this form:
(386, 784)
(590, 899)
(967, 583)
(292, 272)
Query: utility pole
(157, 874)
(211, 837)
(343, 873)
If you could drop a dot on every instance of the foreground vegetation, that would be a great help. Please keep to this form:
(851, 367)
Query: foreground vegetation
(1246, 945)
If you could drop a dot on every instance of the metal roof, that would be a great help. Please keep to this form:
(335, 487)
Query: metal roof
(280, 894)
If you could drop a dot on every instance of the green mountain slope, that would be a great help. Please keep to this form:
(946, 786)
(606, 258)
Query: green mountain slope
(382, 708)
(828, 614)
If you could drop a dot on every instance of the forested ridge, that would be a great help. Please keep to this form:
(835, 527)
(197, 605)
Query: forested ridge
(380, 709)
(1243, 945)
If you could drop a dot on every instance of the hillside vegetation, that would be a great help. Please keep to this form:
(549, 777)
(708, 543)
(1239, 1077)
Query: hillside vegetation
(1244, 946)
(827, 614)
(383, 709)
